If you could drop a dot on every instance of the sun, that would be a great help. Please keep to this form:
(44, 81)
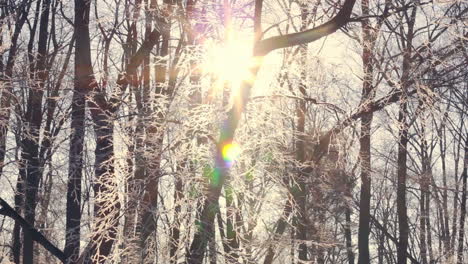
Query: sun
(230, 61)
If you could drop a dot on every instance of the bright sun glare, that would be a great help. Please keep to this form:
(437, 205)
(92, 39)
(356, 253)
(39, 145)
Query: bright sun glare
(229, 61)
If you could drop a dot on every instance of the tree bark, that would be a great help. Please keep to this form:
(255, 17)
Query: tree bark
(369, 38)
(82, 86)
(5, 105)
(403, 227)
(31, 145)
(464, 177)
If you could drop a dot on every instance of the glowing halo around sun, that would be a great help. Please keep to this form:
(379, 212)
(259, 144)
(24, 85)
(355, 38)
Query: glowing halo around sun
(230, 61)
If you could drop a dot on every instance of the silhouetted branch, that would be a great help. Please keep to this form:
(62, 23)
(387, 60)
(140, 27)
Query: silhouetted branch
(37, 236)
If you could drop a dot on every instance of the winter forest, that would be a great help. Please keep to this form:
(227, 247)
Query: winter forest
(233, 131)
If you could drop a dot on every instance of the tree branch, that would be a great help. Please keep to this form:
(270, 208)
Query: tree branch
(265, 46)
(37, 236)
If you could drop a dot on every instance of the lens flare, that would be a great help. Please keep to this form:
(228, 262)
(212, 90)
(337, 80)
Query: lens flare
(230, 152)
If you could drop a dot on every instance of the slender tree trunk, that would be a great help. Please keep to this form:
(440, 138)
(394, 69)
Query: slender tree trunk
(50, 132)
(348, 236)
(422, 225)
(5, 105)
(19, 203)
(6, 79)
(464, 178)
(401, 183)
(280, 228)
(82, 86)
(425, 182)
(106, 205)
(154, 134)
(424, 186)
(403, 226)
(428, 225)
(445, 219)
(138, 164)
(368, 92)
(300, 195)
(31, 142)
(457, 148)
(83, 73)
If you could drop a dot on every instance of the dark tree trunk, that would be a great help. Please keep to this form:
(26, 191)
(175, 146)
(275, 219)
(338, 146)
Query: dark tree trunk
(31, 143)
(464, 177)
(369, 38)
(280, 228)
(175, 229)
(106, 205)
(82, 86)
(348, 236)
(456, 195)
(138, 163)
(301, 111)
(446, 218)
(155, 135)
(403, 227)
(401, 183)
(6, 78)
(5, 105)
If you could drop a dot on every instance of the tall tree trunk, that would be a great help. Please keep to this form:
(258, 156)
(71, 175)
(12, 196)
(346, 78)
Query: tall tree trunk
(82, 86)
(5, 106)
(401, 183)
(31, 143)
(106, 205)
(464, 177)
(138, 164)
(457, 150)
(154, 134)
(422, 219)
(300, 195)
(446, 219)
(369, 37)
(403, 227)
(428, 223)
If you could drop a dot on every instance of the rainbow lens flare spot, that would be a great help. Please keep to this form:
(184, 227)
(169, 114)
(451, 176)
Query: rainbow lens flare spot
(230, 152)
